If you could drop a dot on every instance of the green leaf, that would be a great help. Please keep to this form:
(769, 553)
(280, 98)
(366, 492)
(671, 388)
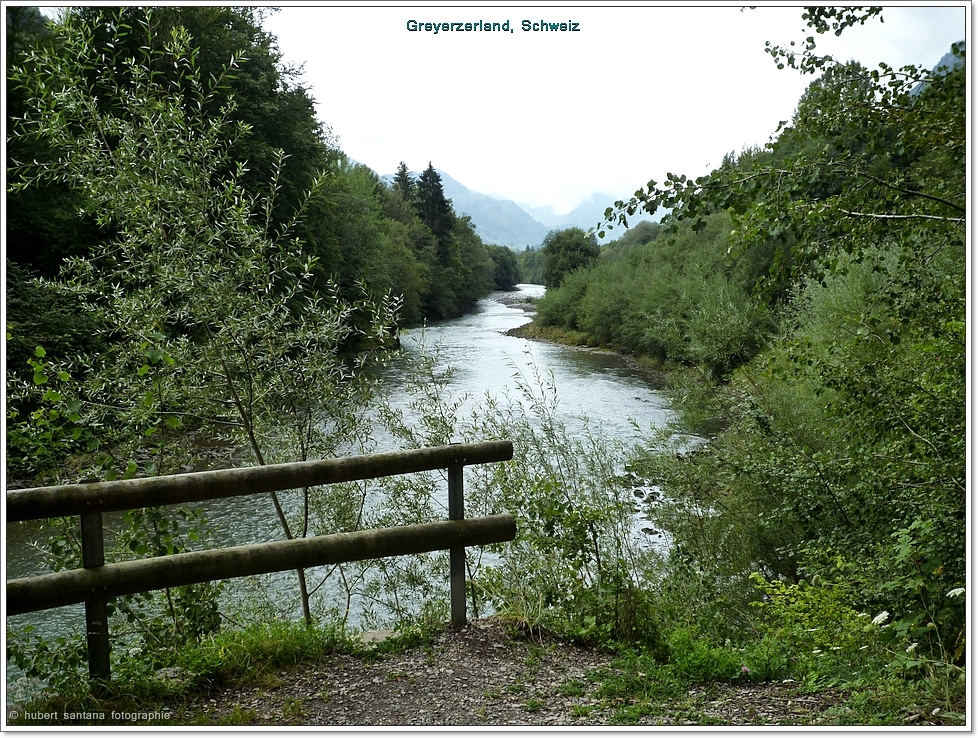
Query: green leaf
(40, 352)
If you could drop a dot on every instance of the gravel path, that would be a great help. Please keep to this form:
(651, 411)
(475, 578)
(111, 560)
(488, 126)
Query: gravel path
(479, 675)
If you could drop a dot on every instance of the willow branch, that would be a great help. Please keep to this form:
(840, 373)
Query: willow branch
(885, 216)
(913, 193)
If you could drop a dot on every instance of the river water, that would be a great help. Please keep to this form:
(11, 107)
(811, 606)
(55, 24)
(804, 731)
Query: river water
(614, 396)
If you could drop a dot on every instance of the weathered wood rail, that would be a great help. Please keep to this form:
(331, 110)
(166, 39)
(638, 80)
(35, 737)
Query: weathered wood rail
(97, 581)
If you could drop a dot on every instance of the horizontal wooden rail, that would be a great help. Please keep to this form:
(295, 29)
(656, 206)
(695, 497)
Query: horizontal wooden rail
(77, 585)
(128, 494)
(98, 582)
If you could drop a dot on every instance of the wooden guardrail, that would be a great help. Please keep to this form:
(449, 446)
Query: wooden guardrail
(97, 581)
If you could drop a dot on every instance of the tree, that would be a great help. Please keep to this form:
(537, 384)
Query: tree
(42, 226)
(207, 306)
(531, 263)
(435, 210)
(278, 110)
(404, 182)
(567, 250)
(890, 164)
(476, 264)
(506, 271)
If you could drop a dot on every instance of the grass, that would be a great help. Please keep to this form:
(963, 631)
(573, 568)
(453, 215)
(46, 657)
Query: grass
(582, 711)
(245, 658)
(573, 688)
(556, 334)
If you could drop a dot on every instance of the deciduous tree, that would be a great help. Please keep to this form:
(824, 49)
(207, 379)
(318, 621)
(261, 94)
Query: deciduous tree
(567, 250)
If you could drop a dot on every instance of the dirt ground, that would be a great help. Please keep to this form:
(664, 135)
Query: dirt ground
(480, 675)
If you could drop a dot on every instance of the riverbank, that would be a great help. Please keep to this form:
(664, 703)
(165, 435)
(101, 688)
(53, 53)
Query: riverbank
(579, 341)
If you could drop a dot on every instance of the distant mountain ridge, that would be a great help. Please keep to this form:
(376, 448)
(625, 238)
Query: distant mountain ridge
(516, 225)
(949, 61)
(496, 220)
(585, 216)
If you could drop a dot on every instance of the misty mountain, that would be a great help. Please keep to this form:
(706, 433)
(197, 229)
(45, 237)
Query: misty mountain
(948, 61)
(586, 215)
(496, 220)
(506, 223)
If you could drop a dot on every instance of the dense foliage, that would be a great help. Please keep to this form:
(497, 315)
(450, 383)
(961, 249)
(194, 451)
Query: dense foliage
(676, 298)
(531, 265)
(811, 296)
(565, 251)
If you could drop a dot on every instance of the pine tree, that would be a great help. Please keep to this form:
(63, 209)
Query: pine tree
(404, 182)
(434, 209)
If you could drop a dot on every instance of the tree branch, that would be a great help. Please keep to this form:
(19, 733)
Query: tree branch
(914, 193)
(885, 216)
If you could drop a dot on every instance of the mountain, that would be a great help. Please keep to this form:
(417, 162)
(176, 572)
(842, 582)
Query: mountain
(585, 216)
(948, 61)
(496, 220)
(504, 222)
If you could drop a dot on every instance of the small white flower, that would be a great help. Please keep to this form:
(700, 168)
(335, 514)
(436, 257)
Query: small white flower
(817, 651)
(956, 592)
(881, 618)
(912, 647)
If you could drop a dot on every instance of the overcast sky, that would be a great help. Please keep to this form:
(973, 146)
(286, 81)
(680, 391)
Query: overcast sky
(547, 118)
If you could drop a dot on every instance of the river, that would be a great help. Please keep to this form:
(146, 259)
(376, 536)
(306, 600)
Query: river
(602, 386)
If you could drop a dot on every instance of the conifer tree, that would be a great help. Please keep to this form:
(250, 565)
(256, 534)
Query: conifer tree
(434, 209)
(404, 182)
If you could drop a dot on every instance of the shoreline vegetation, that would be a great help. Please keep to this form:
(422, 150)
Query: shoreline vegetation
(578, 341)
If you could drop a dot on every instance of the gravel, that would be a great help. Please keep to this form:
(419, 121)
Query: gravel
(481, 675)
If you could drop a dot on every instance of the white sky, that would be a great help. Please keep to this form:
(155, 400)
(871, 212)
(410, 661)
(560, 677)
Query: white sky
(549, 118)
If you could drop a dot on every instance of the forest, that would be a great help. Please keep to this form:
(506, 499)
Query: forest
(366, 237)
(191, 257)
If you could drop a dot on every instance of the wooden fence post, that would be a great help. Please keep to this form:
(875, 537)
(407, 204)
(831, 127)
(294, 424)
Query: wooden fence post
(96, 613)
(456, 554)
